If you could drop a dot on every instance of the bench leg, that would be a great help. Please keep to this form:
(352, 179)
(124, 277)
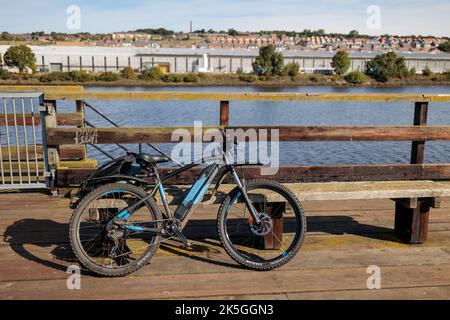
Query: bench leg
(274, 239)
(411, 224)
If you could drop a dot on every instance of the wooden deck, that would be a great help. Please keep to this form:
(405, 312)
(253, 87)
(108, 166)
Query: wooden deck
(343, 239)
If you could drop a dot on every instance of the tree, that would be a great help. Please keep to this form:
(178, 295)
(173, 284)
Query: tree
(353, 34)
(20, 57)
(341, 62)
(386, 66)
(232, 32)
(5, 36)
(320, 32)
(444, 46)
(269, 62)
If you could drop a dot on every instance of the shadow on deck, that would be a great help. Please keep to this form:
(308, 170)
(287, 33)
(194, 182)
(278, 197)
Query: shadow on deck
(47, 233)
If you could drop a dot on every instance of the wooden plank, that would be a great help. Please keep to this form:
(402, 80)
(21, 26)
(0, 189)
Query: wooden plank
(334, 191)
(14, 267)
(351, 190)
(197, 285)
(59, 136)
(245, 96)
(81, 164)
(63, 119)
(289, 174)
(419, 293)
(43, 89)
(66, 152)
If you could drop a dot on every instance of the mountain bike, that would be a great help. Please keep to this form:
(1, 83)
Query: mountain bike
(117, 226)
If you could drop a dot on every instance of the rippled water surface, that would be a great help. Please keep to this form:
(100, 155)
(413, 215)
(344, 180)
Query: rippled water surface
(174, 113)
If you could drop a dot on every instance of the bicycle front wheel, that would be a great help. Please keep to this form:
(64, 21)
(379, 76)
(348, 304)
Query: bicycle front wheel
(274, 241)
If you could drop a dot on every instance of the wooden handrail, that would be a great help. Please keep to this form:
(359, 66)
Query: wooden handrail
(288, 174)
(60, 136)
(43, 89)
(244, 96)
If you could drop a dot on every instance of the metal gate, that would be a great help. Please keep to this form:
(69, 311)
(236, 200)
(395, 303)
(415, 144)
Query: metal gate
(23, 153)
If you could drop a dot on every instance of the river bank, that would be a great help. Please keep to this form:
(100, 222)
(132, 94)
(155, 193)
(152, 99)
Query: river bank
(227, 80)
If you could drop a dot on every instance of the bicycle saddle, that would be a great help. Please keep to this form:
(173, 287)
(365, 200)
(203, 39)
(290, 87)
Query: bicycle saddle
(146, 160)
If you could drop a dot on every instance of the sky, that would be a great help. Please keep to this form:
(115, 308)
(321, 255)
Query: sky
(402, 17)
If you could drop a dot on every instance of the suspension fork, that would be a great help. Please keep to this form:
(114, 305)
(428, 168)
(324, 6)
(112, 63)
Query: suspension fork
(243, 191)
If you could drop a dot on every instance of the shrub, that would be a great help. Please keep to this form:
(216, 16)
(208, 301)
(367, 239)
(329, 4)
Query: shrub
(314, 78)
(55, 77)
(5, 74)
(191, 77)
(447, 75)
(80, 76)
(248, 78)
(412, 72)
(427, 72)
(386, 66)
(239, 71)
(172, 77)
(341, 62)
(128, 73)
(108, 76)
(264, 78)
(356, 77)
(154, 73)
(292, 69)
(202, 75)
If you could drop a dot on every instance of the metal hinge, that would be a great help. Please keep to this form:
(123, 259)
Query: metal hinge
(50, 174)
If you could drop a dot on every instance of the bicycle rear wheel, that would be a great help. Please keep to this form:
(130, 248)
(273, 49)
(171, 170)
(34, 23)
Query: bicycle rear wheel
(270, 244)
(119, 249)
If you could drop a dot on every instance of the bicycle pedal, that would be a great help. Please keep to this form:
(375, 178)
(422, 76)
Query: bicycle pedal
(181, 236)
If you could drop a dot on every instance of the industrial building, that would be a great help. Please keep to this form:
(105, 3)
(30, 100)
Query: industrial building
(182, 60)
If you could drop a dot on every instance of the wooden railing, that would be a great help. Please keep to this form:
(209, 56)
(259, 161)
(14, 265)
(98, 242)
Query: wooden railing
(418, 133)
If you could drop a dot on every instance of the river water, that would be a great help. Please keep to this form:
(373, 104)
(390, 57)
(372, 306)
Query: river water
(299, 113)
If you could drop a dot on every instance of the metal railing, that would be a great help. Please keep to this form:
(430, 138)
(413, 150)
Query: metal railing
(116, 125)
(23, 156)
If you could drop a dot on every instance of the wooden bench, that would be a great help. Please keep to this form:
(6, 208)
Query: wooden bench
(413, 199)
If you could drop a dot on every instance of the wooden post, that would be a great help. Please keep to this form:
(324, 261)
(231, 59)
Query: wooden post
(224, 112)
(80, 109)
(411, 223)
(420, 119)
(52, 150)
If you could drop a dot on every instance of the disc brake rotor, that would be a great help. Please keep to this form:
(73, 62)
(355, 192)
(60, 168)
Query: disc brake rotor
(264, 227)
